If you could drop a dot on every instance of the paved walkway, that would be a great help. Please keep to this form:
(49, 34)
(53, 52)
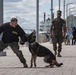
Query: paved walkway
(10, 64)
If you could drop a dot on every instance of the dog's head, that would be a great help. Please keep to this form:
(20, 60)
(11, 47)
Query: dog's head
(31, 37)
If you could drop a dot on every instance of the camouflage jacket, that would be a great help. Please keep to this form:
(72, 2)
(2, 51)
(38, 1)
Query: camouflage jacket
(58, 26)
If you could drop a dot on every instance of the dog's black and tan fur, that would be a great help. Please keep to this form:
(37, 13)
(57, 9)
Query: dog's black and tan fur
(38, 50)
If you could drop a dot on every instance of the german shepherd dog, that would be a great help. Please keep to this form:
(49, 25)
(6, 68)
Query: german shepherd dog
(38, 50)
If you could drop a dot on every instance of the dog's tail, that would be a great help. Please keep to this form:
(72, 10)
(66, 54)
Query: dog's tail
(58, 64)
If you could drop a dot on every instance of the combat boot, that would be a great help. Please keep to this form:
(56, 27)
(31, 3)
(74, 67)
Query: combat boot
(25, 65)
(59, 54)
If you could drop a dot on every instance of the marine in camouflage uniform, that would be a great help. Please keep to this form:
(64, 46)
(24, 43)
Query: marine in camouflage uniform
(58, 33)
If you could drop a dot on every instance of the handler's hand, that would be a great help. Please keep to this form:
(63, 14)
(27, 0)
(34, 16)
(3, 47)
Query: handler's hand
(22, 43)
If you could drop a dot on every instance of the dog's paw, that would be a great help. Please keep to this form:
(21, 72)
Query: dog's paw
(25, 66)
(51, 66)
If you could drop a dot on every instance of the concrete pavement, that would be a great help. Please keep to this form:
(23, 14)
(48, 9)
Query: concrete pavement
(10, 64)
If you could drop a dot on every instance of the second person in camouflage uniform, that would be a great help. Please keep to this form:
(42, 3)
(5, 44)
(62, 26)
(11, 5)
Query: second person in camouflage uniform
(57, 31)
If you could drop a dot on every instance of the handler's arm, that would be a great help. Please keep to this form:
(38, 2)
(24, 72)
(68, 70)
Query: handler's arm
(22, 35)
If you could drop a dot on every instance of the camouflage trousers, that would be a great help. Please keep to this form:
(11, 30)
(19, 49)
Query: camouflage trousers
(57, 43)
(15, 48)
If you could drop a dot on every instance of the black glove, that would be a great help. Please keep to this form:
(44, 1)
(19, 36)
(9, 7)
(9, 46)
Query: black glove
(22, 43)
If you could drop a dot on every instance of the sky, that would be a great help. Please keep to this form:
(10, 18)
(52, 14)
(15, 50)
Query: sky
(25, 11)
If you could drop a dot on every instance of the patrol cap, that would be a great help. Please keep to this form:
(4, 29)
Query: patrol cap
(59, 11)
(14, 19)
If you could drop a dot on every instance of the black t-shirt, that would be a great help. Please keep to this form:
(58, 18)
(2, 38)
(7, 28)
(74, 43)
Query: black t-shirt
(11, 34)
